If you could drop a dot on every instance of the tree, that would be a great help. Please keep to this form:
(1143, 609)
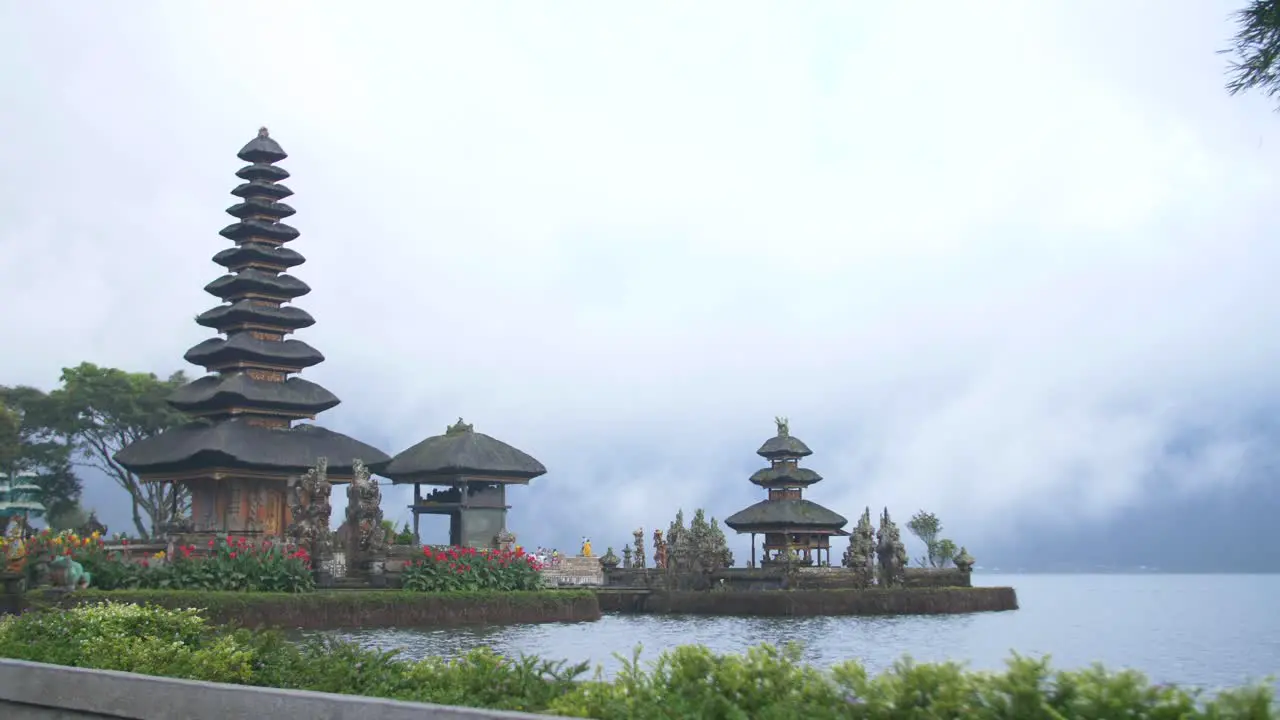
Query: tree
(1256, 47)
(926, 526)
(10, 437)
(69, 518)
(102, 410)
(939, 552)
(30, 446)
(945, 552)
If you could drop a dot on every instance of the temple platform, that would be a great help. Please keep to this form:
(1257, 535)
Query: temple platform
(575, 571)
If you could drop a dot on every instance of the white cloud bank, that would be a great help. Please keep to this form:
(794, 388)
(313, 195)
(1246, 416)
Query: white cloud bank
(983, 260)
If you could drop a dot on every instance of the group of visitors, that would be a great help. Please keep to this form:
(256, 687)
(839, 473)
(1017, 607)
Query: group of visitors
(547, 557)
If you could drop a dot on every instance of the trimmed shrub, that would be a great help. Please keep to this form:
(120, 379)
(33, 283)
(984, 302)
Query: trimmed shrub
(689, 682)
(333, 609)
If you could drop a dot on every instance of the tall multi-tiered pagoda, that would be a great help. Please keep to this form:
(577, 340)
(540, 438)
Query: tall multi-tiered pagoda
(472, 471)
(789, 523)
(245, 442)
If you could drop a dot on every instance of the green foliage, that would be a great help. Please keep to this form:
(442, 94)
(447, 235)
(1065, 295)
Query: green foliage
(30, 445)
(10, 440)
(944, 552)
(464, 568)
(230, 564)
(102, 410)
(1256, 47)
(939, 552)
(688, 682)
(404, 536)
(69, 517)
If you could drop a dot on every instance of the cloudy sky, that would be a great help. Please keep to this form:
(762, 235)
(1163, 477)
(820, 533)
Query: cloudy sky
(998, 260)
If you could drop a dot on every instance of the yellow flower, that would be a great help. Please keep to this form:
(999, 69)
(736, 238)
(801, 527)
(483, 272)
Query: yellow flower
(159, 555)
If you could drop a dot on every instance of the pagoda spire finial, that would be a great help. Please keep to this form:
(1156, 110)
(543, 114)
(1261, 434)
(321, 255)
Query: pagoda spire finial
(784, 428)
(262, 132)
(458, 427)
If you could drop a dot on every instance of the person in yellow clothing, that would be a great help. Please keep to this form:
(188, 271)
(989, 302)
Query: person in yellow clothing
(586, 547)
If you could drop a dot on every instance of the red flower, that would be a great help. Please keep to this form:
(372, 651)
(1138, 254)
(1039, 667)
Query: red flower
(233, 554)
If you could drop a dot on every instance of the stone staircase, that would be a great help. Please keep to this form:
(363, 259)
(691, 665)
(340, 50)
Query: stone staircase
(575, 571)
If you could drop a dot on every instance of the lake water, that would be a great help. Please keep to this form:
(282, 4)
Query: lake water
(1205, 630)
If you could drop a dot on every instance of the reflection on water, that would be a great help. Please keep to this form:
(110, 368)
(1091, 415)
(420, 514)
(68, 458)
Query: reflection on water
(1203, 630)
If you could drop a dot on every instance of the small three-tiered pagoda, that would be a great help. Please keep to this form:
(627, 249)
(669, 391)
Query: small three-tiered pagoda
(472, 472)
(789, 523)
(245, 442)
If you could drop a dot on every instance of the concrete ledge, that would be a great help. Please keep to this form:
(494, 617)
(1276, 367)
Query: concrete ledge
(36, 691)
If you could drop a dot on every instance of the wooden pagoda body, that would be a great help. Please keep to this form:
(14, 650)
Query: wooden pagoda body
(471, 472)
(794, 529)
(244, 442)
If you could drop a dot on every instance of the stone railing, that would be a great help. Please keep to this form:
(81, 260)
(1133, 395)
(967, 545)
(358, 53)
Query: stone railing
(575, 571)
(36, 691)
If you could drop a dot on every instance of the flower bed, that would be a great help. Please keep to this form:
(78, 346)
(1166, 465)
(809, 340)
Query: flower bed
(228, 563)
(461, 568)
(688, 682)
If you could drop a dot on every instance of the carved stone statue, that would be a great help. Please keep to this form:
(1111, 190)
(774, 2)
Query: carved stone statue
(861, 554)
(891, 552)
(506, 540)
(67, 574)
(310, 510)
(784, 427)
(659, 550)
(626, 557)
(367, 542)
(16, 554)
(637, 555)
(963, 561)
(677, 541)
(609, 560)
(253, 517)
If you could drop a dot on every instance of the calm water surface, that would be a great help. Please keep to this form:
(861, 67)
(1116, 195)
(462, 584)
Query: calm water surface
(1205, 630)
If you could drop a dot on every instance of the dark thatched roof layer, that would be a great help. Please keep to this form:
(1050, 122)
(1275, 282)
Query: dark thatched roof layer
(237, 444)
(240, 255)
(219, 392)
(263, 172)
(783, 446)
(462, 451)
(255, 228)
(782, 514)
(243, 346)
(784, 476)
(261, 282)
(259, 206)
(262, 149)
(262, 189)
(287, 317)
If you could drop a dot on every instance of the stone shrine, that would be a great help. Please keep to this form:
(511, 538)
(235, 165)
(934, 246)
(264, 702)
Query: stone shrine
(472, 471)
(795, 530)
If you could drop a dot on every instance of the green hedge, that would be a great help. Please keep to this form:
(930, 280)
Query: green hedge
(331, 609)
(689, 682)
